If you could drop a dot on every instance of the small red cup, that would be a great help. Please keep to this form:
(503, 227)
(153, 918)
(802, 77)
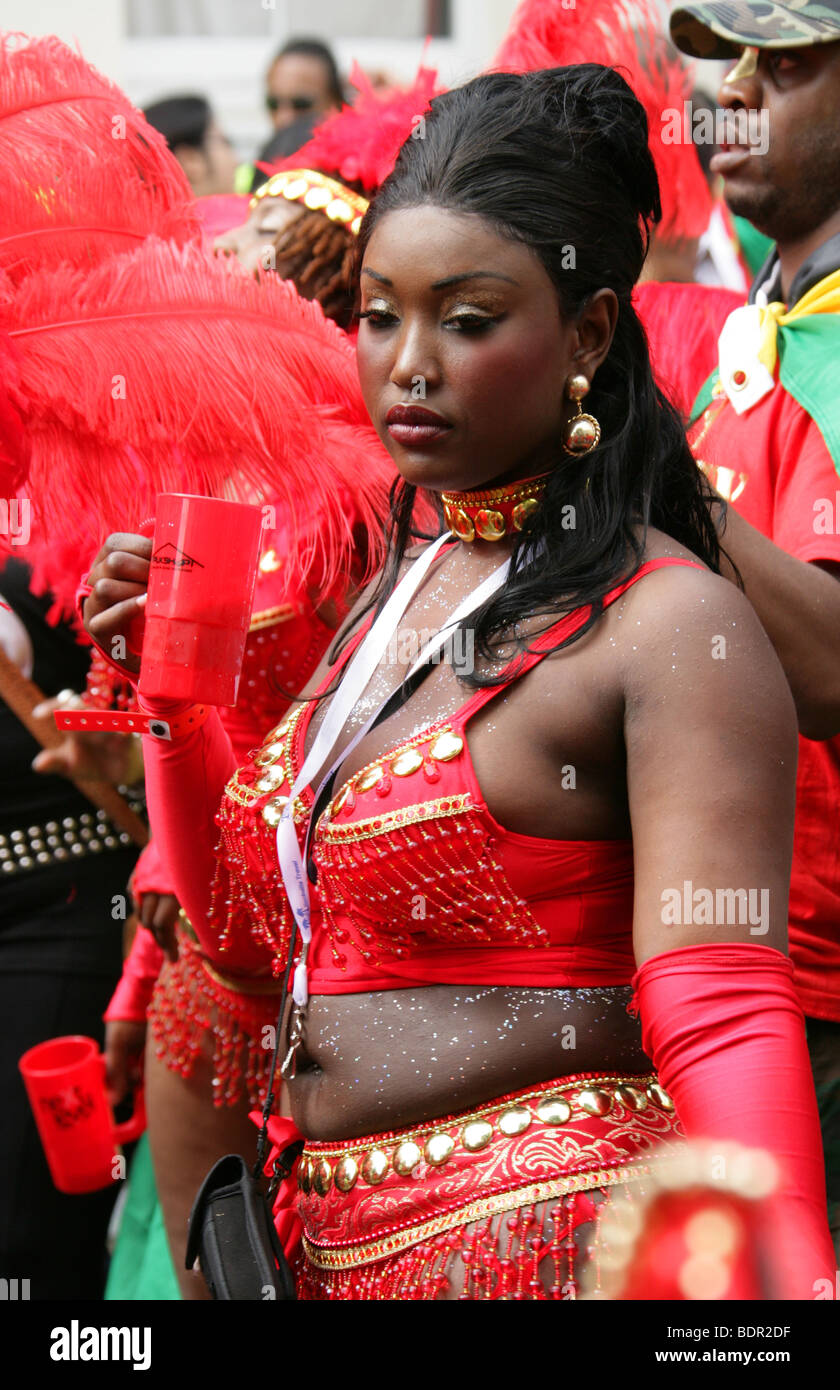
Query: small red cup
(65, 1082)
(205, 554)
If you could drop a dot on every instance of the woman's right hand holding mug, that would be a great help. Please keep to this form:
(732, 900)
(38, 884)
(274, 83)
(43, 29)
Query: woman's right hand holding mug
(113, 611)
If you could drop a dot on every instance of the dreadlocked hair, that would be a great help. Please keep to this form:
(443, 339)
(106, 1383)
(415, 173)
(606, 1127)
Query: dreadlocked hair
(553, 159)
(319, 255)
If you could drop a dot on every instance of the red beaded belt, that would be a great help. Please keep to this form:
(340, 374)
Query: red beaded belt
(380, 1197)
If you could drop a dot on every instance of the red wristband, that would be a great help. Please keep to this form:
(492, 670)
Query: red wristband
(106, 721)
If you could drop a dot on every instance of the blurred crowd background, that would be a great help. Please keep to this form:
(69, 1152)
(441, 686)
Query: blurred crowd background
(250, 98)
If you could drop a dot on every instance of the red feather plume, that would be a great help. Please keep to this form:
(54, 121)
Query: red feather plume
(14, 445)
(361, 142)
(171, 370)
(82, 173)
(683, 324)
(624, 34)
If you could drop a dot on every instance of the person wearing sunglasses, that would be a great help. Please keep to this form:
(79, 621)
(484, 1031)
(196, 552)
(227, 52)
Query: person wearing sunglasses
(302, 80)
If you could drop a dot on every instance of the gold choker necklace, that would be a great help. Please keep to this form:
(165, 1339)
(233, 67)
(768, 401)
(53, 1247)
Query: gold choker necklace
(489, 516)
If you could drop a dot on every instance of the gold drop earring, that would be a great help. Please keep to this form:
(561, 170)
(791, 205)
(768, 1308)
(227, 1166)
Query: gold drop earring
(582, 432)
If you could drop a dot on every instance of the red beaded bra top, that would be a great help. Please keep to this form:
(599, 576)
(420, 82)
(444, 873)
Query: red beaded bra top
(418, 884)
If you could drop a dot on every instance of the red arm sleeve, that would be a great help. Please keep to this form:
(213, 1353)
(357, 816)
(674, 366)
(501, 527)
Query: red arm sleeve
(140, 971)
(185, 780)
(725, 1030)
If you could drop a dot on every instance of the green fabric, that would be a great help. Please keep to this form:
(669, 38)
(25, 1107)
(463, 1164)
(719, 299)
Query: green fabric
(243, 178)
(809, 350)
(754, 244)
(704, 396)
(141, 1266)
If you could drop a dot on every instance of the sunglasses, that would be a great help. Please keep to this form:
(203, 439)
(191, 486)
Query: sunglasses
(294, 103)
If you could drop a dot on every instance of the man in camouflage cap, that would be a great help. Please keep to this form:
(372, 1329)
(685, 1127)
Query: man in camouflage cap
(788, 77)
(766, 431)
(722, 28)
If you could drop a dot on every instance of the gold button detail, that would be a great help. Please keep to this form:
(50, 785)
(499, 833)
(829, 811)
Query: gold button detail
(514, 1121)
(522, 511)
(438, 1149)
(273, 778)
(489, 524)
(375, 1167)
(340, 800)
(595, 1101)
(322, 1178)
(459, 523)
(406, 1158)
(446, 747)
(406, 763)
(554, 1112)
(317, 198)
(293, 190)
(269, 753)
(368, 779)
(273, 810)
(305, 1177)
(476, 1135)
(339, 211)
(657, 1093)
(346, 1173)
(630, 1098)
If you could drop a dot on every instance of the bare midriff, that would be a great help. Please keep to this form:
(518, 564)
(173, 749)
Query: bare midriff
(376, 1062)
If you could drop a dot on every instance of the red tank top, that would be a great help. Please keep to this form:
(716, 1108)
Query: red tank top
(418, 884)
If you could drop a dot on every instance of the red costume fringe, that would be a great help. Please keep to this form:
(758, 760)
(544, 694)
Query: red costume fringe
(191, 1003)
(487, 1204)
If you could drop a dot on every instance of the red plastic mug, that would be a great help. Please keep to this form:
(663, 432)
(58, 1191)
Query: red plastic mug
(65, 1081)
(201, 591)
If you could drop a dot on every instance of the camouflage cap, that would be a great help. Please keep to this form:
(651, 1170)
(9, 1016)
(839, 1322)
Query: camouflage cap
(721, 28)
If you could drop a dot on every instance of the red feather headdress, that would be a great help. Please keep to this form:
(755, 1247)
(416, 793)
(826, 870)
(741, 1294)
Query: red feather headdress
(82, 173)
(624, 34)
(683, 323)
(170, 370)
(360, 143)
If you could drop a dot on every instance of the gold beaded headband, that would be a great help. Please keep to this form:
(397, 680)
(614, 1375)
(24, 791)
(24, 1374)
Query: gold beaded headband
(318, 193)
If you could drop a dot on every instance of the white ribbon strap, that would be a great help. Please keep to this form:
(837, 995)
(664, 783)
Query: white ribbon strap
(355, 681)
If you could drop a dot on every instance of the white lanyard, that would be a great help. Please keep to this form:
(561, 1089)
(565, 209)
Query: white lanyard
(354, 683)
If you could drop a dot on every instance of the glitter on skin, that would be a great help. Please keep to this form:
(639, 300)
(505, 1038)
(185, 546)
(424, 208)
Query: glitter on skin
(402, 1048)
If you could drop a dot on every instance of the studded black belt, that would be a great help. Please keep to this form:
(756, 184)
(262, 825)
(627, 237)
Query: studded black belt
(61, 841)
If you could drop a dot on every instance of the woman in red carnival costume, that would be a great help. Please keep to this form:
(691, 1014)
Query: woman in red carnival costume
(493, 879)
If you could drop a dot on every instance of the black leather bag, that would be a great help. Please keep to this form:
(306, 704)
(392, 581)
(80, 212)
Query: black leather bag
(232, 1235)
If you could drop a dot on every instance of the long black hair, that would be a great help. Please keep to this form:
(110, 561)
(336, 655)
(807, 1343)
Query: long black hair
(559, 161)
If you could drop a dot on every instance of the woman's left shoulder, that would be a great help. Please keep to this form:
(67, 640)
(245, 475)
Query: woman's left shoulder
(671, 580)
(694, 635)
